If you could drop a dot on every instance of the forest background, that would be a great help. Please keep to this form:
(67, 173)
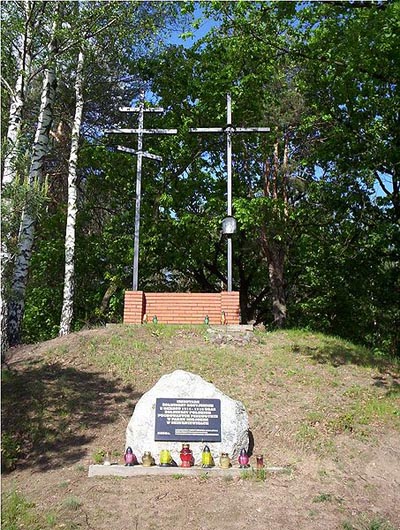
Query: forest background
(316, 200)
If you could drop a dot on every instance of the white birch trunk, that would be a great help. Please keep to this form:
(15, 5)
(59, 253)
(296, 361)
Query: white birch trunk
(9, 175)
(27, 226)
(24, 60)
(69, 274)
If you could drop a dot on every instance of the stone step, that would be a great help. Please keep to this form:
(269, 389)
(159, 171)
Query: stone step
(96, 470)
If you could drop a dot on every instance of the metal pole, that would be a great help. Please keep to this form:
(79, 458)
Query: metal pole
(138, 194)
(229, 183)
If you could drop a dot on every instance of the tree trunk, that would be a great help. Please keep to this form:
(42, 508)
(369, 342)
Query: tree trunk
(10, 160)
(276, 264)
(18, 98)
(111, 289)
(69, 274)
(27, 226)
(274, 254)
(273, 248)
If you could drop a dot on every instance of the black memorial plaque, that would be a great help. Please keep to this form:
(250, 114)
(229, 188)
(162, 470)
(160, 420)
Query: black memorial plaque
(188, 420)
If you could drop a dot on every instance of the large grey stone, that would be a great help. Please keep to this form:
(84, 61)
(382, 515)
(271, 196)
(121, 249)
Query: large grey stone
(180, 384)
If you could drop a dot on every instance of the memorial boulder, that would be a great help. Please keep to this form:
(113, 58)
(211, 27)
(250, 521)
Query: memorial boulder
(182, 407)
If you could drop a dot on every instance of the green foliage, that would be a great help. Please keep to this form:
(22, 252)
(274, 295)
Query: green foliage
(257, 475)
(98, 456)
(307, 71)
(10, 451)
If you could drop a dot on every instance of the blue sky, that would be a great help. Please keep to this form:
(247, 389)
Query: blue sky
(205, 25)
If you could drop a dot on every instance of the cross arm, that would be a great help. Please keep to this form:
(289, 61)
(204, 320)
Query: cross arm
(207, 130)
(138, 109)
(141, 131)
(230, 129)
(251, 129)
(145, 154)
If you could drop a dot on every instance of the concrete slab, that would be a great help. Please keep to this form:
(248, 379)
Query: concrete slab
(233, 328)
(97, 470)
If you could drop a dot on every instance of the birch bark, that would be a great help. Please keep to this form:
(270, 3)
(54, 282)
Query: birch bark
(24, 59)
(27, 226)
(69, 273)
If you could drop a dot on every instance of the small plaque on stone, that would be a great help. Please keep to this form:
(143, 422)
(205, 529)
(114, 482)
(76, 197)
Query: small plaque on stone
(188, 419)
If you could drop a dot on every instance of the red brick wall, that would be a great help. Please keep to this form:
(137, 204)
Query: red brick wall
(133, 307)
(181, 308)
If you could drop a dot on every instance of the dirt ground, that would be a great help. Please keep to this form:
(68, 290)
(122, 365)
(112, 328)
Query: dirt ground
(354, 485)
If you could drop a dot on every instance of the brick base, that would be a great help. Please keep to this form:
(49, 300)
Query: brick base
(181, 308)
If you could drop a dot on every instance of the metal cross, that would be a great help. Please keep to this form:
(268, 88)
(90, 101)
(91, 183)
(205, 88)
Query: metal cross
(140, 155)
(228, 130)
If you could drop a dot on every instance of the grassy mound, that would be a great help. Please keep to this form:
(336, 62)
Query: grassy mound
(313, 401)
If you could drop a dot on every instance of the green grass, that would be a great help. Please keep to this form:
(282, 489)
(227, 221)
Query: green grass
(72, 503)
(365, 523)
(324, 497)
(98, 456)
(303, 392)
(19, 513)
(294, 370)
(256, 475)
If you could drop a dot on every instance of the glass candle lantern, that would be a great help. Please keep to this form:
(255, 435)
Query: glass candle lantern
(243, 458)
(186, 455)
(224, 461)
(206, 457)
(260, 461)
(147, 460)
(129, 458)
(165, 458)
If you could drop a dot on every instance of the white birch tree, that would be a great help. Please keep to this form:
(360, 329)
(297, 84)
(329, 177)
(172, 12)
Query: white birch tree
(22, 52)
(23, 55)
(35, 178)
(72, 28)
(69, 272)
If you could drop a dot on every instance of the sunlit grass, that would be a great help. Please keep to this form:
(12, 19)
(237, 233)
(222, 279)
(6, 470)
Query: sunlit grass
(17, 513)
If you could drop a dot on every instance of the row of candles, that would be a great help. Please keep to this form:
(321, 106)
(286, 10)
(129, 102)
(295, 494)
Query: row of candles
(187, 459)
(206, 319)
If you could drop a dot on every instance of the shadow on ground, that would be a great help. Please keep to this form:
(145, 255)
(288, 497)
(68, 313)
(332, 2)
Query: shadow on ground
(48, 411)
(330, 352)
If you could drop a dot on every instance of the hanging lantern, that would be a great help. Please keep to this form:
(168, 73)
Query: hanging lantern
(206, 457)
(244, 458)
(129, 458)
(224, 461)
(186, 456)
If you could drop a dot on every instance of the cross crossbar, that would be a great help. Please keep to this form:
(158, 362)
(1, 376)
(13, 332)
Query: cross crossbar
(229, 129)
(142, 131)
(145, 154)
(138, 109)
